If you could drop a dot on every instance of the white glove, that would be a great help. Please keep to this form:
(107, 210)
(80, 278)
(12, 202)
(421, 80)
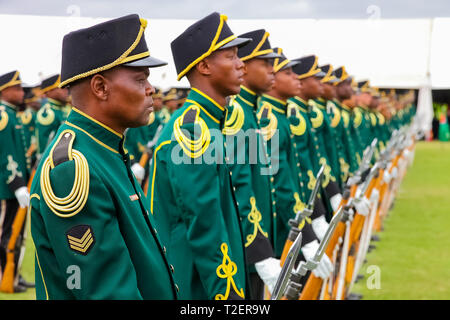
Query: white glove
(386, 177)
(138, 171)
(362, 206)
(23, 196)
(335, 201)
(320, 227)
(394, 172)
(375, 195)
(269, 270)
(406, 154)
(325, 266)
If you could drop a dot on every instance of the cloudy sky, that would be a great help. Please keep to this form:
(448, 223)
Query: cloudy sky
(235, 9)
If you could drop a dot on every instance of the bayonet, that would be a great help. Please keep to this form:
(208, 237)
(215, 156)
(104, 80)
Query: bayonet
(283, 278)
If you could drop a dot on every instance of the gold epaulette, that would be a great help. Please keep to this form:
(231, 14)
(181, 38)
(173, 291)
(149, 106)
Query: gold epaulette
(373, 119)
(318, 119)
(74, 202)
(381, 118)
(151, 118)
(300, 128)
(48, 118)
(236, 119)
(4, 118)
(194, 148)
(345, 118)
(358, 117)
(336, 114)
(26, 117)
(265, 112)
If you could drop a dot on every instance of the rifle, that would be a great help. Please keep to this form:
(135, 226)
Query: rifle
(313, 285)
(291, 257)
(8, 279)
(301, 216)
(294, 286)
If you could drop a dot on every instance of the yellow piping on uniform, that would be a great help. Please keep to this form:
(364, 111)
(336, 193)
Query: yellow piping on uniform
(97, 122)
(116, 62)
(212, 48)
(154, 171)
(91, 136)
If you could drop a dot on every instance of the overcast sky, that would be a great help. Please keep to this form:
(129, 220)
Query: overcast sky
(235, 9)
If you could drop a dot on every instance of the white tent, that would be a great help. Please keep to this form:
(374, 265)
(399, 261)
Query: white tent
(400, 53)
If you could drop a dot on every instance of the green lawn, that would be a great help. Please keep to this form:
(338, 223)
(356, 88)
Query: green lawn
(413, 254)
(27, 273)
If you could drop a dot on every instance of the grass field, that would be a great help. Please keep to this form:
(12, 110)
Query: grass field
(413, 253)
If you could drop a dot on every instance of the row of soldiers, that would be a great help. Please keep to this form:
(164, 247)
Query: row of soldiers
(190, 201)
(31, 116)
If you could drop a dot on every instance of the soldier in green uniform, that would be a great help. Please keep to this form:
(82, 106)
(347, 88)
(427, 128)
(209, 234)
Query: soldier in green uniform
(249, 164)
(362, 113)
(53, 112)
(311, 91)
(91, 226)
(289, 190)
(13, 167)
(191, 194)
(344, 91)
(160, 110)
(32, 103)
(170, 100)
(335, 149)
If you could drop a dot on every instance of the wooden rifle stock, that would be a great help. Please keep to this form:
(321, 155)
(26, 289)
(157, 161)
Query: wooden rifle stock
(7, 283)
(313, 285)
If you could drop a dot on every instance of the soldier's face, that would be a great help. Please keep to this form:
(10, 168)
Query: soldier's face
(157, 104)
(311, 87)
(344, 90)
(172, 105)
(364, 99)
(13, 94)
(329, 91)
(259, 75)
(286, 83)
(130, 95)
(59, 94)
(226, 71)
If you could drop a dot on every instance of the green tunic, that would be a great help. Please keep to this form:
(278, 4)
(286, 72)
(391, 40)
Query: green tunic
(305, 141)
(326, 139)
(344, 130)
(289, 191)
(194, 203)
(13, 146)
(48, 119)
(250, 176)
(94, 238)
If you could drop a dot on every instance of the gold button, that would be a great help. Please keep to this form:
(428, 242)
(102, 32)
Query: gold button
(172, 268)
(273, 190)
(178, 289)
(164, 250)
(271, 179)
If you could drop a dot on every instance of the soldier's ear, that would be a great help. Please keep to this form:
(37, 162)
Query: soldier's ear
(204, 67)
(100, 87)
